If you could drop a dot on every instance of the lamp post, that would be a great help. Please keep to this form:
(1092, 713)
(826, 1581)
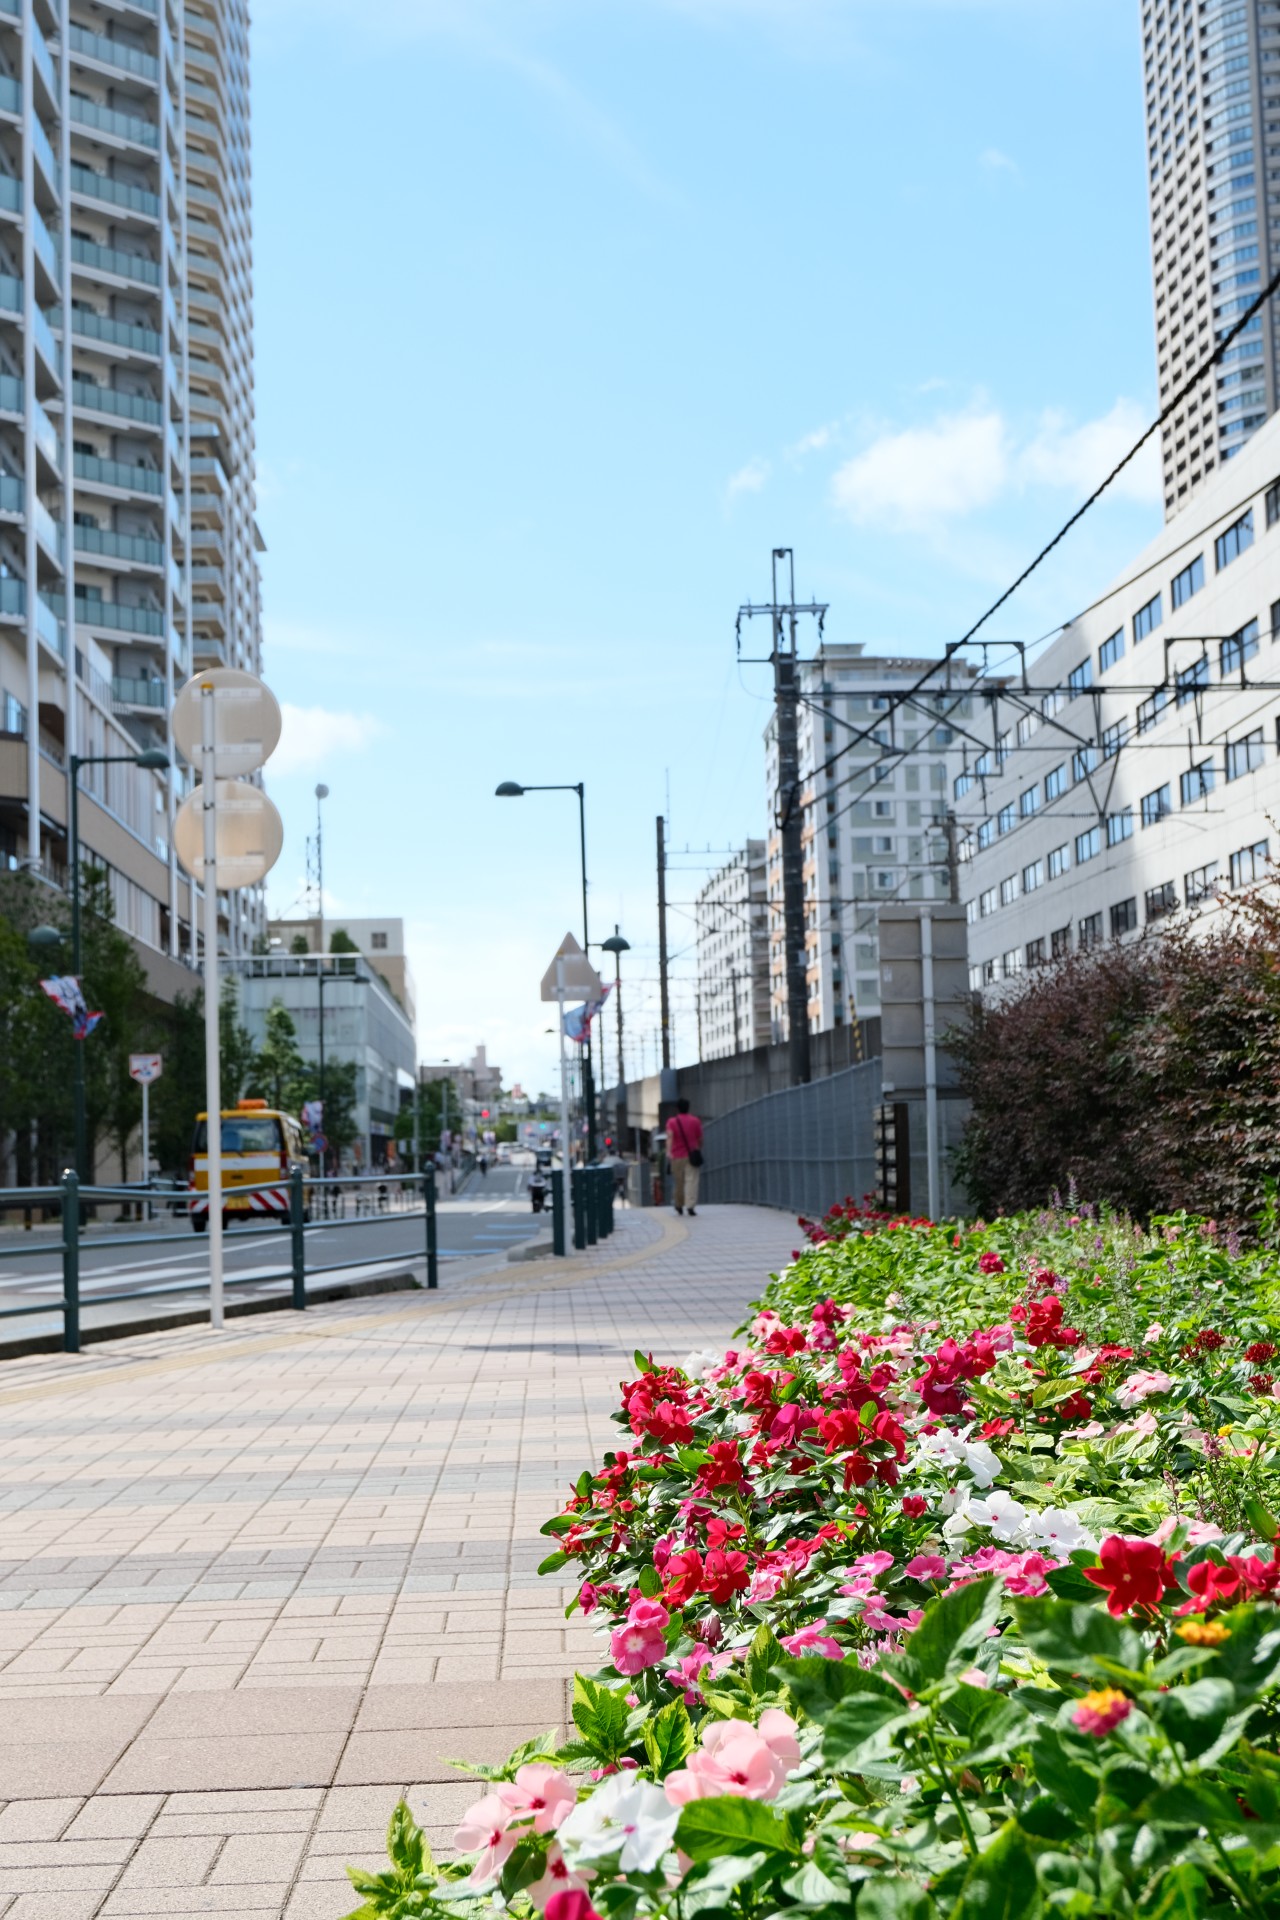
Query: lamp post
(512, 790)
(617, 946)
(322, 793)
(157, 760)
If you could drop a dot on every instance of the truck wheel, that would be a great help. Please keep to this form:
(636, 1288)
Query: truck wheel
(199, 1221)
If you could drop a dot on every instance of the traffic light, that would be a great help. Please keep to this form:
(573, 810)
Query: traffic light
(484, 1113)
(893, 1158)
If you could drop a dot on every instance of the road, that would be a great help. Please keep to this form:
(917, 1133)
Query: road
(491, 1215)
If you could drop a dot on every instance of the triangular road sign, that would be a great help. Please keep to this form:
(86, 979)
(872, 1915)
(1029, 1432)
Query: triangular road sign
(579, 978)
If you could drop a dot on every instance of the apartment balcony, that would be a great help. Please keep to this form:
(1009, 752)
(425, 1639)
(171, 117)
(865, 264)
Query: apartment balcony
(86, 184)
(209, 617)
(46, 78)
(13, 598)
(120, 549)
(45, 248)
(209, 649)
(12, 495)
(44, 154)
(112, 336)
(49, 626)
(10, 194)
(208, 548)
(88, 397)
(124, 129)
(114, 264)
(10, 293)
(118, 476)
(11, 396)
(137, 695)
(10, 97)
(110, 616)
(98, 51)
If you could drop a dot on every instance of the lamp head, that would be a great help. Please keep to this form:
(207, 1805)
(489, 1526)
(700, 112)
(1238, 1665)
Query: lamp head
(322, 792)
(43, 937)
(615, 944)
(154, 758)
(509, 790)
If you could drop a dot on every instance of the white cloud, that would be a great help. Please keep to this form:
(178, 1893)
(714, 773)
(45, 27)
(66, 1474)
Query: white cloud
(748, 479)
(1080, 457)
(993, 161)
(915, 477)
(312, 736)
(962, 462)
(812, 442)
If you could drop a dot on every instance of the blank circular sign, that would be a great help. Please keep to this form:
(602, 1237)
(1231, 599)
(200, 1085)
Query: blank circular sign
(246, 721)
(249, 830)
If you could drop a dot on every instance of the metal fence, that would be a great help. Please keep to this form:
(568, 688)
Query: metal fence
(313, 1205)
(799, 1149)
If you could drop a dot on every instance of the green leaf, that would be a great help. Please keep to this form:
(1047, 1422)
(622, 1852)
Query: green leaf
(1183, 1894)
(1080, 1639)
(762, 1655)
(891, 1899)
(993, 1724)
(643, 1362)
(406, 1846)
(954, 1626)
(526, 1863)
(1194, 1715)
(1069, 1583)
(650, 1582)
(728, 1825)
(817, 1685)
(1074, 1785)
(1001, 1882)
(1261, 1520)
(668, 1738)
(1192, 1803)
(600, 1714)
(553, 1562)
(856, 1725)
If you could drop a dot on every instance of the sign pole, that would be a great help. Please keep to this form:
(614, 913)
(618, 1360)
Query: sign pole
(564, 1085)
(212, 1063)
(146, 1140)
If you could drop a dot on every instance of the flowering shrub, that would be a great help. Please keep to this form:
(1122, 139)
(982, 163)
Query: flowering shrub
(951, 1588)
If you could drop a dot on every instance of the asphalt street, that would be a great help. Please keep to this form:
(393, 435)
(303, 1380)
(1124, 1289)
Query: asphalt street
(491, 1215)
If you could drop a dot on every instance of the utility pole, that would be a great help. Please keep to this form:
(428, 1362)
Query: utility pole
(789, 813)
(663, 986)
(733, 988)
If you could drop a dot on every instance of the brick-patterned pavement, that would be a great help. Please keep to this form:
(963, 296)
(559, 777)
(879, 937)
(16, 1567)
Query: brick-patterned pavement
(255, 1584)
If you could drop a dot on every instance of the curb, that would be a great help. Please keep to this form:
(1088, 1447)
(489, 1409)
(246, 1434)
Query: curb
(198, 1316)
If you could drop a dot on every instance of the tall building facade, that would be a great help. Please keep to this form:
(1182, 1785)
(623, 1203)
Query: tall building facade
(733, 956)
(128, 544)
(1212, 80)
(875, 785)
(1133, 777)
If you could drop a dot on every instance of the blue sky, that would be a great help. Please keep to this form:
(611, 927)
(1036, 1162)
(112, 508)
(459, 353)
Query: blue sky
(567, 312)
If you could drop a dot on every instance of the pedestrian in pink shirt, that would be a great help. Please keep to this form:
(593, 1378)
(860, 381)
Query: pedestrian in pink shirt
(684, 1150)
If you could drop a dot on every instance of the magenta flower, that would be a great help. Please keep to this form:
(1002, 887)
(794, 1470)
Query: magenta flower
(641, 1641)
(811, 1639)
(927, 1566)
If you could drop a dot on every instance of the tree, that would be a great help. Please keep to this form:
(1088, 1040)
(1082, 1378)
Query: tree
(299, 944)
(432, 1111)
(340, 1092)
(179, 1095)
(340, 941)
(279, 1074)
(237, 1055)
(114, 983)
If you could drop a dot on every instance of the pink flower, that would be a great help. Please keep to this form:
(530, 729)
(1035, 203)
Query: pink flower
(641, 1641)
(1198, 1531)
(540, 1794)
(748, 1762)
(486, 1828)
(572, 1904)
(926, 1566)
(1099, 1712)
(556, 1881)
(1153, 1333)
(810, 1639)
(1141, 1385)
(873, 1563)
(687, 1673)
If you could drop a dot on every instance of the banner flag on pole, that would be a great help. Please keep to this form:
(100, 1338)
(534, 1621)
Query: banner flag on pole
(64, 991)
(577, 1020)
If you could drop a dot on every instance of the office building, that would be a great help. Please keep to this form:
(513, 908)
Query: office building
(1211, 70)
(733, 956)
(1134, 777)
(381, 941)
(875, 784)
(128, 547)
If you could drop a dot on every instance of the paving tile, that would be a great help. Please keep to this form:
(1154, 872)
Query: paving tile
(256, 1859)
(170, 1863)
(258, 1710)
(459, 1704)
(424, 1753)
(246, 1760)
(36, 1819)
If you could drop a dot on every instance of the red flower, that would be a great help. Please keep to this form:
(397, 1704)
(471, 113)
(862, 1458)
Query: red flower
(914, 1505)
(683, 1577)
(669, 1423)
(857, 1471)
(1261, 1350)
(724, 1469)
(841, 1430)
(570, 1903)
(1135, 1573)
(786, 1340)
(1077, 1406)
(1044, 1324)
(1261, 1382)
(1211, 1586)
(996, 1429)
(990, 1263)
(724, 1575)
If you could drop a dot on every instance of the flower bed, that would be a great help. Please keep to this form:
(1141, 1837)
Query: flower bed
(948, 1589)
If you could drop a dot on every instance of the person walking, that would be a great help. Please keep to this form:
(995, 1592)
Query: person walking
(684, 1150)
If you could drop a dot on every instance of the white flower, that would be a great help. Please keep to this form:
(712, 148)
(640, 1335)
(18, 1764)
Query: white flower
(1056, 1530)
(1062, 1530)
(628, 1817)
(973, 1457)
(695, 1364)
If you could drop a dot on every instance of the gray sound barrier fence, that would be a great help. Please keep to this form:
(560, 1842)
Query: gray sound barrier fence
(799, 1149)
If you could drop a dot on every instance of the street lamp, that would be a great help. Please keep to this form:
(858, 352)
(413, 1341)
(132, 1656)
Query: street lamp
(617, 946)
(155, 760)
(322, 793)
(512, 790)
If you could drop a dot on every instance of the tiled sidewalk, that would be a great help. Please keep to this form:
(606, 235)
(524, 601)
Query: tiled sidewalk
(253, 1585)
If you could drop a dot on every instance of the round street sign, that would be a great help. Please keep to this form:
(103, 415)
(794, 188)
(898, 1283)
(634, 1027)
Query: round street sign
(249, 828)
(246, 721)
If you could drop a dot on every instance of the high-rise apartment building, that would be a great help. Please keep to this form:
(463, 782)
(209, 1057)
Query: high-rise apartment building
(128, 546)
(733, 956)
(875, 783)
(1212, 78)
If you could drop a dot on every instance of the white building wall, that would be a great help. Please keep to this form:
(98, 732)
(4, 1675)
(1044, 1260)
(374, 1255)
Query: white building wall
(733, 956)
(1175, 782)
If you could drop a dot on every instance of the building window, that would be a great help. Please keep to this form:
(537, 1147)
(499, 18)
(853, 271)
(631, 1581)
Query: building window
(1083, 762)
(1147, 619)
(1189, 581)
(1273, 503)
(975, 979)
(1119, 826)
(1237, 648)
(1009, 890)
(1195, 783)
(1026, 727)
(1090, 930)
(1053, 703)
(1111, 650)
(1150, 709)
(1004, 819)
(961, 785)
(1275, 620)
(1060, 943)
(987, 902)
(15, 716)
(1244, 755)
(966, 849)
(1161, 900)
(1230, 545)
(1124, 918)
(1028, 801)
(971, 911)
(1033, 876)
(1113, 738)
(1011, 963)
(1055, 782)
(1059, 862)
(1156, 806)
(1088, 845)
(1002, 748)
(1035, 953)
(1200, 883)
(988, 973)
(986, 834)
(1188, 679)
(1080, 679)
(378, 942)
(1249, 864)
